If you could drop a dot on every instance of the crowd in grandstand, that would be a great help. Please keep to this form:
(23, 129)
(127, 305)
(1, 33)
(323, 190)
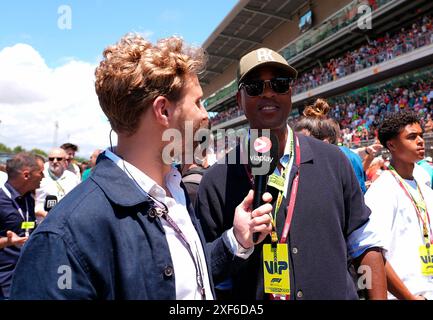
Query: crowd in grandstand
(373, 52)
(226, 115)
(357, 119)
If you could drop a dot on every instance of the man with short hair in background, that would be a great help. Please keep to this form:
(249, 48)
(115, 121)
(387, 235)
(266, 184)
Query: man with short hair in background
(92, 164)
(17, 215)
(57, 181)
(70, 150)
(401, 203)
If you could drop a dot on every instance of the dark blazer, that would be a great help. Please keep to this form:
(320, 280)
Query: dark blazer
(329, 207)
(10, 219)
(99, 242)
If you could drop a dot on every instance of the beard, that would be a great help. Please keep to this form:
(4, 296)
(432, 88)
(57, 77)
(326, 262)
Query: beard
(56, 171)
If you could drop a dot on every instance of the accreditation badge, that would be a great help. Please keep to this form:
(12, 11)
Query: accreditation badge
(276, 268)
(28, 225)
(426, 260)
(276, 181)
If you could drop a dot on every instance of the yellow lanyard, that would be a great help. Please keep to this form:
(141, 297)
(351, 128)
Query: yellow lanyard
(285, 175)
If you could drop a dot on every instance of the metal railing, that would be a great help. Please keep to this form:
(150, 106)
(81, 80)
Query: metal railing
(329, 27)
(428, 141)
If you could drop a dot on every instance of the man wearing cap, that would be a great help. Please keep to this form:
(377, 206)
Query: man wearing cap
(316, 198)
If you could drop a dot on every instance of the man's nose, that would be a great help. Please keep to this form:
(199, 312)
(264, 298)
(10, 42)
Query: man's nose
(205, 115)
(267, 89)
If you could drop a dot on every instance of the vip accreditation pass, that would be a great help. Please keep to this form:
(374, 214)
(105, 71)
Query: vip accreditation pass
(276, 268)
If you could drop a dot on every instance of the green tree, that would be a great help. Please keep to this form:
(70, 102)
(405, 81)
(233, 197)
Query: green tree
(80, 159)
(18, 149)
(4, 148)
(39, 152)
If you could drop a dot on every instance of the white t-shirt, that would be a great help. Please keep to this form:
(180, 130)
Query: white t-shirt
(58, 188)
(394, 220)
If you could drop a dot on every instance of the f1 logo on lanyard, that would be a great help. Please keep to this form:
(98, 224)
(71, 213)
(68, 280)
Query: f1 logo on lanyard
(276, 269)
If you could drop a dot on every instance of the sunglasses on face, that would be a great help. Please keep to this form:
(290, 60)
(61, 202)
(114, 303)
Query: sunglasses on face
(57, 158)
(255, 88)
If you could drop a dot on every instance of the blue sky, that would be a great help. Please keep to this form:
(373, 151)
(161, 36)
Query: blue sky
(47, 73)
(97, 23)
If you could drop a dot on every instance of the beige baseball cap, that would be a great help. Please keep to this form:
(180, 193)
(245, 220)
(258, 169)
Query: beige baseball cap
(261, 57)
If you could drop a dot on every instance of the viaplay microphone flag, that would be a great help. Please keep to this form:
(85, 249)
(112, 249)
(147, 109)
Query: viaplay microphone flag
(50, 202)
(263, 159)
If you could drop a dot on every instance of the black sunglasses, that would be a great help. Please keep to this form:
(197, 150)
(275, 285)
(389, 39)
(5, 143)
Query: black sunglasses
(255, 88)
(57, 158)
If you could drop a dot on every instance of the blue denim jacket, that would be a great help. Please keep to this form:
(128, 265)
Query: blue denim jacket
(99, 242)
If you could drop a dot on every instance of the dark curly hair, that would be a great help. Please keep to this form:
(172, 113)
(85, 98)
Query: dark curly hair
(393, 123)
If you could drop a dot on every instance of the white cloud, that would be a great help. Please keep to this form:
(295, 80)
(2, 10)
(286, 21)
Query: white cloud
(33, 97)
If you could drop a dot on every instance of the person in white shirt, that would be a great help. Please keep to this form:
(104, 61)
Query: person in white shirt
(3, 178)
(57, 181)
(402, 203)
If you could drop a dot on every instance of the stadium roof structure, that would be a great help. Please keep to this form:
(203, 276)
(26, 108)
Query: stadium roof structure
(250, 22)
(243, 29)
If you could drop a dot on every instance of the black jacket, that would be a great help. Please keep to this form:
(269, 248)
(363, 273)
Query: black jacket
(329, 207)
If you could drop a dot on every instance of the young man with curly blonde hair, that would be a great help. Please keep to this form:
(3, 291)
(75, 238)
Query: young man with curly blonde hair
(129, 231)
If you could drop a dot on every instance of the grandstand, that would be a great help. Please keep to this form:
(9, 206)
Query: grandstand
(364, 72)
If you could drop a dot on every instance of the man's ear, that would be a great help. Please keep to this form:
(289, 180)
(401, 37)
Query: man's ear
(238, 100)
(26, 174)
(161, 110)
(390, 144)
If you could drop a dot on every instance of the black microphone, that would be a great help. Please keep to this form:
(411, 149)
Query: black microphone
(50, 202)
(263, 159)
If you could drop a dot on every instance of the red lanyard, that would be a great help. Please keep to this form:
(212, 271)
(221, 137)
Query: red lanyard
(290, 209)
(417, 210)
(293, 193)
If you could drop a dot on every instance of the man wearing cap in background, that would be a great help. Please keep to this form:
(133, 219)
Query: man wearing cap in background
(325, 227)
